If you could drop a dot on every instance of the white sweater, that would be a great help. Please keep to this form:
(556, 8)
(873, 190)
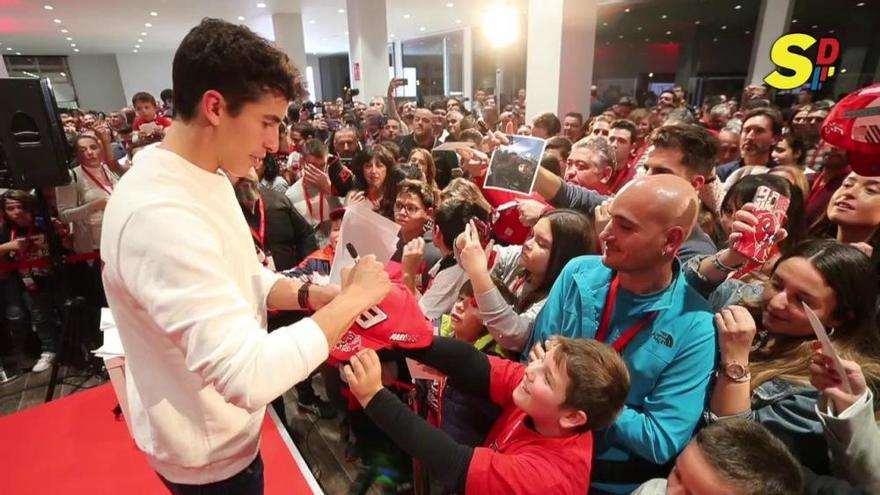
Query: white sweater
(189, 298)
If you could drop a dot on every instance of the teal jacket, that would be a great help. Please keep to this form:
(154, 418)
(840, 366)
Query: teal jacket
(670, 361)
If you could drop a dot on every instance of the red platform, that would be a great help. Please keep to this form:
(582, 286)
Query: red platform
(75, 446)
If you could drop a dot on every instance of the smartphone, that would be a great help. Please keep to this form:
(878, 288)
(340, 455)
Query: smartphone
(772, 208)
(403, 81)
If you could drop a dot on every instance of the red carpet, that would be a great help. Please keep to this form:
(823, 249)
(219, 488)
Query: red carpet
(75, 446)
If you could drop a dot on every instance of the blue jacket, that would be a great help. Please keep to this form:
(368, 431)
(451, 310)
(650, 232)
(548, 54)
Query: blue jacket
(670, 361)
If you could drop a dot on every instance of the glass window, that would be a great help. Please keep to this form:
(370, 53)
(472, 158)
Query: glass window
(645, 47)
(435, 64)
(53, 68)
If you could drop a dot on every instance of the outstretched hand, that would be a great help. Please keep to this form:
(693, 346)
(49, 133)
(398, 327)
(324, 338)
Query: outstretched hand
(364, 376)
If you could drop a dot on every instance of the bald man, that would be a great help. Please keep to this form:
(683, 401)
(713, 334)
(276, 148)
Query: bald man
(422, 133)
(635, 298)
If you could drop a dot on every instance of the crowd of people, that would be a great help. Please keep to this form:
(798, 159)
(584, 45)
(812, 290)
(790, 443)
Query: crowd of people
(606, 333)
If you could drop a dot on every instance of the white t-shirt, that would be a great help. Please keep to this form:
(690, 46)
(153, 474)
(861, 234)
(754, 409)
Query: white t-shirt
(189, 298)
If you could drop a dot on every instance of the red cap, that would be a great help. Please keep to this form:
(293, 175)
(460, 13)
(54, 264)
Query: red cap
(397, 321)
(854, 125)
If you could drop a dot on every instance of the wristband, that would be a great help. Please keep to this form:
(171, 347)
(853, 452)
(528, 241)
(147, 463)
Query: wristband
(721, 267)
(302, 296)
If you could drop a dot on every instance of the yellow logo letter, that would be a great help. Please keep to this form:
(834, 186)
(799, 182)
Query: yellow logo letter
(781, 55)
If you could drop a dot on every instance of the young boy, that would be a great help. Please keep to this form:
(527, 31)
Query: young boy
(542, 442)
(150, 124)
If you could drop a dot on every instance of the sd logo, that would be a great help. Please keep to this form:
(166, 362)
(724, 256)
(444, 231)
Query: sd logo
(804, 69)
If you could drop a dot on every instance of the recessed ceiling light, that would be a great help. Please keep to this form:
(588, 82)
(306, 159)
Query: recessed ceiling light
(154, 14)
(737, 7)
(860, 4)
(144, 33)
(63, 74)
(714, 39)
(73, 45)
(668, 32)
(56, 21)
(650, 74)
(137, 46)
(748, 32)
(723, 27)
(663, 16)
(312, 21)
(134, 51)
(697, 22)
(406, 16)
(241, 18)
(140, 40)
(8, 49)
(626, 10)
(815, 26)
(48, 7)
(69, 38)
(147, 24)
(422, 28)
(604, 23)
(341, 11)
(794, 21)
(346, 33)
(450, 4)
(261, 5)
(639, 28)
(843, 71)
(76, 50)
(646, 39)
(65, 31)
(18, 53)
(458, 21)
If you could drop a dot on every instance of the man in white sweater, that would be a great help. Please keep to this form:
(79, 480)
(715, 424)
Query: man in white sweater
(183, 280)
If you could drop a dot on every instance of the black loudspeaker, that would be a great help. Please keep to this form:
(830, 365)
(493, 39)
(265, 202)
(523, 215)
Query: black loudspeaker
(33, 149)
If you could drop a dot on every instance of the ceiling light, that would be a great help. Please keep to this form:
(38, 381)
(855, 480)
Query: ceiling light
(69, 38)
(639, 28)
(714, 39)
(241, 18)
(621, 36)
(147, 24)
(650, 74)
(76, 50)
(500, 23)
(73, 45)
(843, 71)
(663, 16)
(56, 21)
(646, 39)
(137, 46)
(815, 26)
(65, 31)
(422, 28)
(406, 16)
(794, 21)
(860, 4)
(723, 27)
(8, 49)
(737, 7)
(140, 40)
(154, 14)
(18, 53)
(748, 32)
(604, 23)
(261, 5)
(134, 51)
(626, 10)
(48, 7)
(668, 33)
(143, 33)
(450, 4)
(391, 35)
(63, 74)
(458, 21)
(341, 11)
(346, 33)
(697, 22)
(312, 21)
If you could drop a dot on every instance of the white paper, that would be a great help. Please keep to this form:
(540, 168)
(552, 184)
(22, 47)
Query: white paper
(419, 371)
(514, 166)
(369, 232)
(107, 320)
(112, 345)
(827, 348)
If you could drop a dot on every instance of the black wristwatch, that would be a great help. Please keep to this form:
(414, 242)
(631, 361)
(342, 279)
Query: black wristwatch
(302, 296)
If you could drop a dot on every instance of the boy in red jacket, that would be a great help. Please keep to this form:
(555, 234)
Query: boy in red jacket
(541, 443)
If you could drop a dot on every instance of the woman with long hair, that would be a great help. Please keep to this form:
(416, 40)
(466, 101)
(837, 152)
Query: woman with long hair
(853, 214)
(371, 168)
(528, 271)
(766, 341)
(424, 160)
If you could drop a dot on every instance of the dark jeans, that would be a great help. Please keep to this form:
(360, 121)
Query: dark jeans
(247, 482)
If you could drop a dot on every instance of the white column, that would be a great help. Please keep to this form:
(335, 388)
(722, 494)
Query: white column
(289, 37)
(773, 21)
(368, 47)
(467, 72)
(559, 68)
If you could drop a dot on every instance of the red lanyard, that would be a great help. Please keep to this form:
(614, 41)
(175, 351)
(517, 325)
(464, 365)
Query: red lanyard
(107, 188)
(309, 203)
(517, 284)
(260, 236)
(604, 324)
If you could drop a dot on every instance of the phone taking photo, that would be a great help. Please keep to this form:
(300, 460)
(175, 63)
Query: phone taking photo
(772, 208)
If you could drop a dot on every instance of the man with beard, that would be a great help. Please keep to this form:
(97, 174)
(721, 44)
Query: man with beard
(762, 129)
(422, 135)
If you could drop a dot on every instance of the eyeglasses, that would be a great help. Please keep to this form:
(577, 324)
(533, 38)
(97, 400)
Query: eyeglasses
(410, 209)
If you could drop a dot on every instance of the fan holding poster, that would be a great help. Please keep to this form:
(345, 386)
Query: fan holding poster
(514, 166)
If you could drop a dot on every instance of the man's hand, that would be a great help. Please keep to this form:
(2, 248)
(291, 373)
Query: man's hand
(413, 252)
(366, 280)
(492, 140)
(318, 178)
(824, 377)
(393, 84)
(364, 376)
(530, 211)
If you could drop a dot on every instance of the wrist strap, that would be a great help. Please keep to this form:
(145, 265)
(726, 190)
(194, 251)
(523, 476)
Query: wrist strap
(302, 297)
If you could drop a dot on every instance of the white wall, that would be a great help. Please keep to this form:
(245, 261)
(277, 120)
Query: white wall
(97, 82)
(150, 72)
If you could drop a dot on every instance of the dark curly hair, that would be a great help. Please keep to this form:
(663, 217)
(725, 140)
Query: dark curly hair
(234, 61)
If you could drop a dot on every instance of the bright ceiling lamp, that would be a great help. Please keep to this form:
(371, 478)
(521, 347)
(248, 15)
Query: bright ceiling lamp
(501, 25)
